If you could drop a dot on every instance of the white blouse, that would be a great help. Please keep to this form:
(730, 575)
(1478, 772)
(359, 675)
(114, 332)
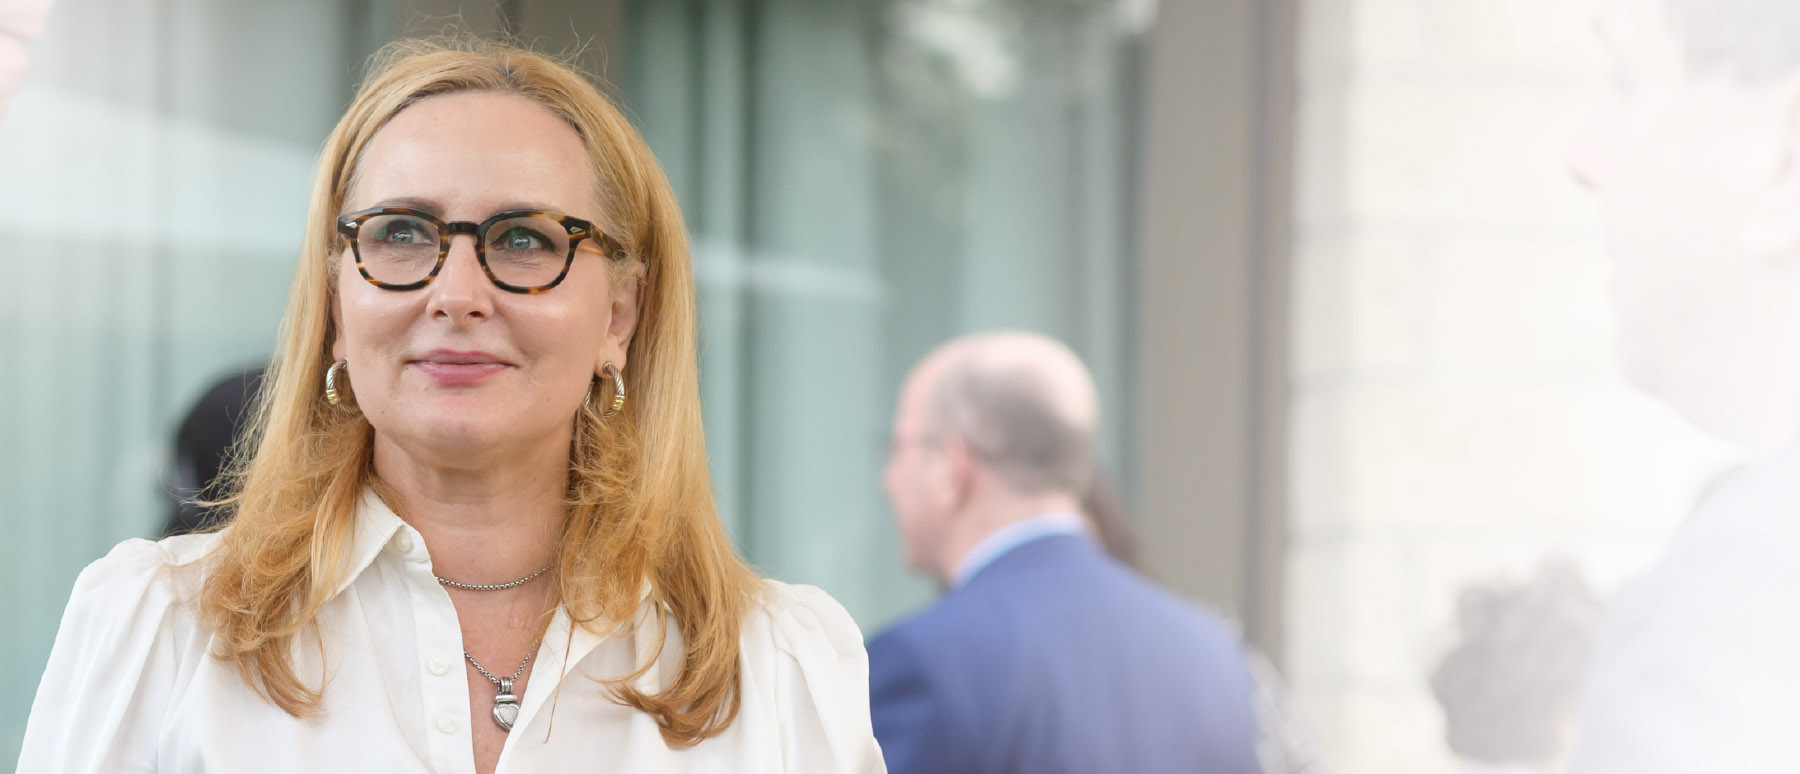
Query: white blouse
(131, 686)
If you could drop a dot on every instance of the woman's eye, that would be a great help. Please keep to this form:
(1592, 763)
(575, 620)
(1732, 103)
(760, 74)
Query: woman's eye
(402, 233)
(521, 239)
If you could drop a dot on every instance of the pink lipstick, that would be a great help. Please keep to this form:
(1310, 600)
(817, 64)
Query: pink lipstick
(452, 368)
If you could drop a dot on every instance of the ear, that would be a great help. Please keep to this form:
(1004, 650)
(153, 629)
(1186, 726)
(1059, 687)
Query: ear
(337, 326)
(622, 323)
(960, 470)
(1771, 226)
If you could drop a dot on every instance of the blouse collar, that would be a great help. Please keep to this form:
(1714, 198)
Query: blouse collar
(378, 528)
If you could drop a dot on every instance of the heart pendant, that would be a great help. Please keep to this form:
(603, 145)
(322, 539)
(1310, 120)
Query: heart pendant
(506, 706)
(505, 713)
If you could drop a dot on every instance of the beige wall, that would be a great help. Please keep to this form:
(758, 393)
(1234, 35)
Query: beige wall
(1211, 295)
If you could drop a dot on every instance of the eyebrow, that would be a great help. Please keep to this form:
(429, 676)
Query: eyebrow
(437, 208)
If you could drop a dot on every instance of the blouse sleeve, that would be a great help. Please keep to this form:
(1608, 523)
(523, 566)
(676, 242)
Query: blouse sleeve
(112, 669)
(821, 684)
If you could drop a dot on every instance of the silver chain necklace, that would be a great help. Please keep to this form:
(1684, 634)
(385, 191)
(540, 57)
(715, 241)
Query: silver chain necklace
(494, 586)
(506, 705)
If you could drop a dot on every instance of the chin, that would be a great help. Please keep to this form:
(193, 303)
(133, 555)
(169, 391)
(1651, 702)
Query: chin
(455, 431)
(467, 438)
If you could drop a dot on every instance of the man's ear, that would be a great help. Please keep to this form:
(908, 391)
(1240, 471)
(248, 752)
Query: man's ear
(1771, 225)
(960, 478)
(622, 323)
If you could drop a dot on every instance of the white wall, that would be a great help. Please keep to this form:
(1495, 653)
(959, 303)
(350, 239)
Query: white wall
(1456, 413)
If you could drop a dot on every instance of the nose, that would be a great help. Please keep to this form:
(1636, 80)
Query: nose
(461, 290)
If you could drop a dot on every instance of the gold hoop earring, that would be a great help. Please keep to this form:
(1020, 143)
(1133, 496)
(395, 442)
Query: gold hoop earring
(332, 395)
(618, 399)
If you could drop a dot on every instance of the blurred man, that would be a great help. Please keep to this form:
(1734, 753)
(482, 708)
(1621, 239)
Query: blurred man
(1696, 161)
(1045, 655)
(21, 21)
(1284, 741)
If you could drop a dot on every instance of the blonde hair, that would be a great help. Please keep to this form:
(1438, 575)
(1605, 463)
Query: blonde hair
(640, 504)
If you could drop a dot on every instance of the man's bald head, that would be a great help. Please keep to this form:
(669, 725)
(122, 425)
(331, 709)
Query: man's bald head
(1022, 402)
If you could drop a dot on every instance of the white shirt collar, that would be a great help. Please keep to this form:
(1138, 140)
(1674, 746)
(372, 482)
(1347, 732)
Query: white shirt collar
(377, 526)
(1011, 536)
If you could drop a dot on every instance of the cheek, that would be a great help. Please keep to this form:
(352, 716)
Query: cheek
(372, 320)
(565, 340)
(914, 515)
(583, 313)
(912, 499)
(372, 332)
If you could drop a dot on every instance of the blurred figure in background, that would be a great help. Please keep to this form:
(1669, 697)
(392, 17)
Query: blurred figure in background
(1046, 655)
(1107, 517)
(1696, 162)
(1284, 743)
(202, 443)
(21, 21)
(1509, 687)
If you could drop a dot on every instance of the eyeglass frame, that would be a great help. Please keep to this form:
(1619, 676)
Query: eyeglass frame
(349, 225)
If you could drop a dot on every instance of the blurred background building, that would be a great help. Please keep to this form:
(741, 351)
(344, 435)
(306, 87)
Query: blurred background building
(1347, 312)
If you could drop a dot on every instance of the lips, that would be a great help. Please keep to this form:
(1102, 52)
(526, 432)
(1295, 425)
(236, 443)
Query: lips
(452, 368)
(456, 357)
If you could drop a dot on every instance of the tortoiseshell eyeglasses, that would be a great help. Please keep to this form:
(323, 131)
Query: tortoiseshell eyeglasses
(521, 251)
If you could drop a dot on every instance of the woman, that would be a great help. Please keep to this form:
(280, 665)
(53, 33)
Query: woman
(461, 543)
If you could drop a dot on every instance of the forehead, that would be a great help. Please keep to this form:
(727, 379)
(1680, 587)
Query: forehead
(913, 394)
(475, 153)
(920, 390)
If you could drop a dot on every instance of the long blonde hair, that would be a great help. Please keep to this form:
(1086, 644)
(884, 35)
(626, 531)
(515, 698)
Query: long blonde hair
(640, 504)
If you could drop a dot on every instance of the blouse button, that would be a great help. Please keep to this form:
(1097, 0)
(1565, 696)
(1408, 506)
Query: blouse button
(404, 542)
(446, 724)
(439, 666)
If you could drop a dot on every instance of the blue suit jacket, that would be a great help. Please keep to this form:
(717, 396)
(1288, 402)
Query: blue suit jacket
(1055, 658)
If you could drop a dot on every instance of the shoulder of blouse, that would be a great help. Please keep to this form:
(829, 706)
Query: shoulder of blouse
(805, 656)
(806, 624)
(141, 573)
